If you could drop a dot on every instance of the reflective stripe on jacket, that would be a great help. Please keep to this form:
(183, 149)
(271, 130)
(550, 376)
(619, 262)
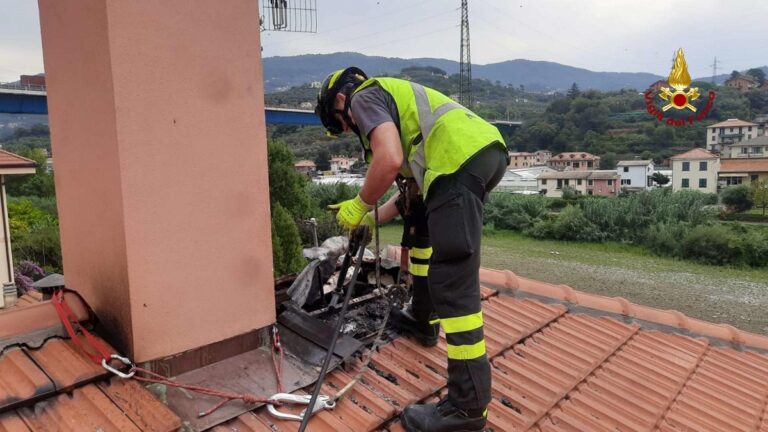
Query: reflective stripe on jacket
(437, 134)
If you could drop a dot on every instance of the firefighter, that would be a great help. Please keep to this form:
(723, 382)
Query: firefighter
(452, 159)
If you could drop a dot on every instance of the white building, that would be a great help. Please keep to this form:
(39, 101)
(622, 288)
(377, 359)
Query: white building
(695, 169)
(636, 174)
(728, 132)
(521, 180)
(752, 148)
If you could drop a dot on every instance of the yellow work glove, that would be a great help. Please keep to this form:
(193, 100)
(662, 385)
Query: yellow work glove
(351, 212)
(368, 220)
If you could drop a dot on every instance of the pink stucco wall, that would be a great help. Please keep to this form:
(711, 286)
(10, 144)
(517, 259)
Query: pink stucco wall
(601, 188)
(157, 121)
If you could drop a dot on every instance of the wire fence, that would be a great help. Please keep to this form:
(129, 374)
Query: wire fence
(24, 87)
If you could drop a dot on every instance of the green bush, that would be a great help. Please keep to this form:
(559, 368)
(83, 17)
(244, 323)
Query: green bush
(666, 238)
(713, 244)
(736, 198)
(286, 244)
(514, 212)
(34, 232)
(571, 224)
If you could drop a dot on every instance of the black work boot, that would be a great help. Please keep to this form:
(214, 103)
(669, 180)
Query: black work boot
(404, 321)
(442, 417)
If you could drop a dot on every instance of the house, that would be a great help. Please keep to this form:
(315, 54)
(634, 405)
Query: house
(742, 82)
(576, 161)
(542, 156)
(305, 166)
(521, 159)
(695, 169)
(742, 171)
(655, 87)
(762, 120)
(341, 164)
(600, 182)
(636, 174)
(751, 148)
(729, 132)
(522, 180)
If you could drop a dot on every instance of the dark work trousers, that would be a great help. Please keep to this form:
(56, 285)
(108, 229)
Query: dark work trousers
(455, 221)
(412, 209)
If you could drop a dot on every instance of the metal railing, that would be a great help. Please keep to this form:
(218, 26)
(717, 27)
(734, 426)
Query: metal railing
(24, 87)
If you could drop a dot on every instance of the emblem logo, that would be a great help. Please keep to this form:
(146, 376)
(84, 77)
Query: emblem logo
(679, 97)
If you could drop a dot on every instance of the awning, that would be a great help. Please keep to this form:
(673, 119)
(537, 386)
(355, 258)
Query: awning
(722, 174)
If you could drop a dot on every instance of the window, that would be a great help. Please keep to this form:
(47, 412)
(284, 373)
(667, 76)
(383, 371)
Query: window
(686, 166)
(626, 169)
(626, 182)
(578, 182)
(753, 177)
(543, 181)
(702, 183)
(559, 183)
(589, 192)
(589, 164)
(610, 182)
(575, 164)
(685, 183)
(749, 129)
(702, 166)
(744, 150)
(589, 182)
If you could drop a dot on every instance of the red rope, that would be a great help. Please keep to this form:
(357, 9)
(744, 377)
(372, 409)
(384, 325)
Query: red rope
(227, 396)
(68, 318)
(100, 352)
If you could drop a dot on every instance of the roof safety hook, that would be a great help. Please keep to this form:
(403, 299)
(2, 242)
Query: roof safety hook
(125, 360)
(323, 402)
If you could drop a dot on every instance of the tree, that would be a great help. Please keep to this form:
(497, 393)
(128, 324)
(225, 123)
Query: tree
(40, 184)
(322, 160)
(286, 243)
(736, 198)
(758, 74)
(608, 161)
(735, 74)
(659, 178)
(286, 185)
(759, 194)
(574, 91)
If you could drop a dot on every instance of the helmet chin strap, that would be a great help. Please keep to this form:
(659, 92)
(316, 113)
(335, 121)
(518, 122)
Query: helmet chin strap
(345, 115)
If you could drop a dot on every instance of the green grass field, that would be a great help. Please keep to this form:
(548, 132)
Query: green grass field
(736, 296)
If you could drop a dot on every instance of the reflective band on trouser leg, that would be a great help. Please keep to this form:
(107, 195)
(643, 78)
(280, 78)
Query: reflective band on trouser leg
(464, 335)
(466, 352)
(420, 261)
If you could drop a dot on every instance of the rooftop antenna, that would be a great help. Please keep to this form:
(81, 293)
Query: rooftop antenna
(465, 68)
(289, 15)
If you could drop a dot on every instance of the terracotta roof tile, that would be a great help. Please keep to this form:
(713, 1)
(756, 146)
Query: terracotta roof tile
(141, 406)
(11, 422)
(744, 165)
(696, 153)
(20, 378)
(87, 408)
(65, 364)
(11, 160)
(732, 123)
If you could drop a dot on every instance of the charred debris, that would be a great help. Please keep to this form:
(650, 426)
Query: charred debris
(314, 295)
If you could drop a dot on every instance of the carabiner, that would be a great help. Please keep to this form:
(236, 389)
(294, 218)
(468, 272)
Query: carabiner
(125, 360)
(322, 402)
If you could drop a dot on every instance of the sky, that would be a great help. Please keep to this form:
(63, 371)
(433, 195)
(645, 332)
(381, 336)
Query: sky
(600, 35)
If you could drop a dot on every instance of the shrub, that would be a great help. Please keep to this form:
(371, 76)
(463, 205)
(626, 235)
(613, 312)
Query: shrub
(736, 198)
(712, 244)
(286, 244)
(666, 238)
(514, 212)
(571, 224)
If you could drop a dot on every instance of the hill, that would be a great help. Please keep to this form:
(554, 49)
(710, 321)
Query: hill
(284, 72)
